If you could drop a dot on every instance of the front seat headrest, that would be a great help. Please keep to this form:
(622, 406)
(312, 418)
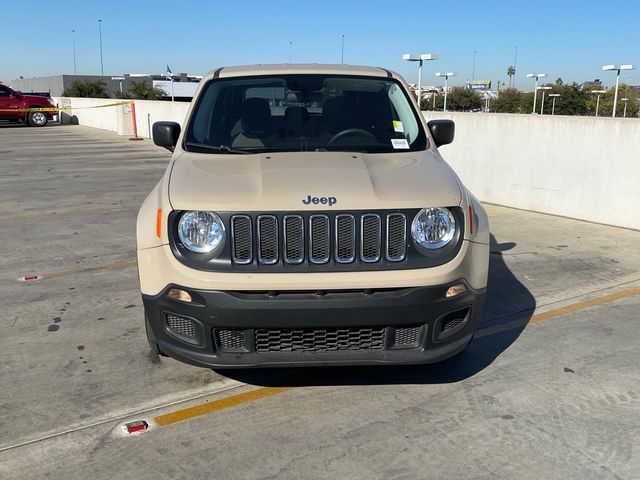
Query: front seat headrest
(255, 116)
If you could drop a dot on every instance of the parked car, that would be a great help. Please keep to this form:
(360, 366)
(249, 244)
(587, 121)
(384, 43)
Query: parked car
(307, 218)
(14, 106)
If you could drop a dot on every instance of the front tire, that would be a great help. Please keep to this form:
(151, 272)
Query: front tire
(37, 119)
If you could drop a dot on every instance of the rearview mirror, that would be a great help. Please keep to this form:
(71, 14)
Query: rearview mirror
(442, 131)
(165, 134)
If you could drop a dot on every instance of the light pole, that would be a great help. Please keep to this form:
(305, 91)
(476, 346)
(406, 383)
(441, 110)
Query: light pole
(446, 82)
(73, 36)
(598, 92)
(553, 105)
(535, 89)
(100, 34)
(473, 72)
(290, 53)
(342, 54)
(419, 58)
(624, 112)
(617, 68)
(544, 89)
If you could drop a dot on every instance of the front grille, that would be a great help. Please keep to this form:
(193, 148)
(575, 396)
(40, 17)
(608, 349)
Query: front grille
(319, 340)
(184, 327)
(267, 239)
(370, 238)
(319, 239)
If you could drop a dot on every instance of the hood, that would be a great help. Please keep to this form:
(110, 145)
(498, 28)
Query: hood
(290, 181)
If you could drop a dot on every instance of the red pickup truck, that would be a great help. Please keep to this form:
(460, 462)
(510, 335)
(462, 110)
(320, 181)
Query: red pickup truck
(14, 106)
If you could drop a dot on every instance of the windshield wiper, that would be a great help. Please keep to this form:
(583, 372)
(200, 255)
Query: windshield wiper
(216, 148)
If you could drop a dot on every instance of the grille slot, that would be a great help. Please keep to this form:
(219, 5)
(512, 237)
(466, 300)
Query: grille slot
(345, 238)
(184, 327)
(293, 239)
(319, 340)
(407, 336)
(370, 237)
(231, 340)
(319, 240)
(396, 237)
(267, 239)
(242, 239)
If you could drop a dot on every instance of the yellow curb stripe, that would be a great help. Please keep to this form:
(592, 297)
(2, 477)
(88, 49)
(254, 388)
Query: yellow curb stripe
(228, 402)
(575, 307)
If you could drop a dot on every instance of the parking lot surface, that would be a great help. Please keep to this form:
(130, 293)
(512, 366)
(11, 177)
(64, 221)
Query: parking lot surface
(549, 388)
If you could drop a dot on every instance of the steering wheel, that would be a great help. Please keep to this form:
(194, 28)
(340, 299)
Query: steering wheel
(352, 131)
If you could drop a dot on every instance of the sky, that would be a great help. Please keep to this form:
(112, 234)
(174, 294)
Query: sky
(567, 39)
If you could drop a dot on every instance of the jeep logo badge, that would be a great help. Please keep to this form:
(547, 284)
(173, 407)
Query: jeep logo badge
(320, 200)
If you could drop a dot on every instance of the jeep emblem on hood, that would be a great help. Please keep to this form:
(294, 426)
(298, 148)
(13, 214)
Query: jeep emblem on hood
(322, 200)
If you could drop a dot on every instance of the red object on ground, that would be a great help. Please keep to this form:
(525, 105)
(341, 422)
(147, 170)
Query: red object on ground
(138, 426)
(133, 119)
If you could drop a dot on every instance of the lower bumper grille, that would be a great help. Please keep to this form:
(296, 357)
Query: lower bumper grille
(302, 340)
(319, 340)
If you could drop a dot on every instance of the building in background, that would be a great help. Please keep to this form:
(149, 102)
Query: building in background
(181, 86)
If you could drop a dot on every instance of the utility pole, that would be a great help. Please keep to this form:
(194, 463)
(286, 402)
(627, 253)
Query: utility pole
(100, 34)
(75, 70)
(515, 67)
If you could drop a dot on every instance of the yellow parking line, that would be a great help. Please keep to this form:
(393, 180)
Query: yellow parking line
(204, 408)
(263, 392)
(575, 307)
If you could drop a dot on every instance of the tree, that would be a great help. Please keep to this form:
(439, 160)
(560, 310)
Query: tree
(87, 88)
(144, 90)
(511, 71)
(463, 99)
(509, 101)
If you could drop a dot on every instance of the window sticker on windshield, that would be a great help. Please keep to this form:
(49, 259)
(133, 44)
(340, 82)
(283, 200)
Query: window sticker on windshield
(399, 143)
(397, 126)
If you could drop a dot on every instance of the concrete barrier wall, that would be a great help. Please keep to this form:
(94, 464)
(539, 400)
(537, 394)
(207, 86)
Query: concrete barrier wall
(579, 167)
(118, 119)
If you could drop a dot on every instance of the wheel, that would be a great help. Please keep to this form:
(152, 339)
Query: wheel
(37, 119)
(352, 132)
(151, 338)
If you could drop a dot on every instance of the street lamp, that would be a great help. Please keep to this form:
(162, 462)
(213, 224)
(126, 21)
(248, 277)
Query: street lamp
(73, 36)
(419, 58)
(617, 68)
(446, 81)
(542, 103)
(624, 112)
(100, 34)
(598, 92)
(553, 105)
(535, 89)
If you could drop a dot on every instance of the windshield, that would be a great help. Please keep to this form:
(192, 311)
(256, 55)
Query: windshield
(304, 113)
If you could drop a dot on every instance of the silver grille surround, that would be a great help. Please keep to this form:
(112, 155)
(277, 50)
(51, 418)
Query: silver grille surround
(319, 238)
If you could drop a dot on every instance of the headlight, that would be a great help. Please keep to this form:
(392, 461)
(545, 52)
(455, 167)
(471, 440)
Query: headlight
(433, 228)
(201, 232)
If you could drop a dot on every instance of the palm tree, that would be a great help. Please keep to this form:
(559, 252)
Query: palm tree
(511, 71)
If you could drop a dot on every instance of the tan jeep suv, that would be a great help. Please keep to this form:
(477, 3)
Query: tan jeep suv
(307, 218)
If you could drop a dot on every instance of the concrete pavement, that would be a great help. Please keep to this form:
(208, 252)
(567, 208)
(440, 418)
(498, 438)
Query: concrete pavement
(549, 389)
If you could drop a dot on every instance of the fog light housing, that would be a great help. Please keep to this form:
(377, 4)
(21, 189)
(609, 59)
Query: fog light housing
(455, 290)
(180, 295)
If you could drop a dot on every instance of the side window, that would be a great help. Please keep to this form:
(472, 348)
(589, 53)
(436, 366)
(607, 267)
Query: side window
(4, 92)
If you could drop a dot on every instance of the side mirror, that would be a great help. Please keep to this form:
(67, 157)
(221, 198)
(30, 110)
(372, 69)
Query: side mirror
(442, 131)
(165, 134)
(17, 94)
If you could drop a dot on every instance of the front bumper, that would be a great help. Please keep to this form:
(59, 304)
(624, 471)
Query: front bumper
(316, 328)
